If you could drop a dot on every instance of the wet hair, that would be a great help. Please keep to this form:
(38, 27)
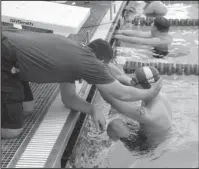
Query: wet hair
(137, 141)
(102, 49)
(117, 129)
(162, 24)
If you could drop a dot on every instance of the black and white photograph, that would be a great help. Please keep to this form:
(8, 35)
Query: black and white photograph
(99, 84)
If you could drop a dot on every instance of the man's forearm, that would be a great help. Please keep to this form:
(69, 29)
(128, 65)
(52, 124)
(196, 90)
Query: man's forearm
(77, 103)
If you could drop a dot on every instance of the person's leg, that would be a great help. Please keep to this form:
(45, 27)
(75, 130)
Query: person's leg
(28, 104)
(11, 120)
(12, 96)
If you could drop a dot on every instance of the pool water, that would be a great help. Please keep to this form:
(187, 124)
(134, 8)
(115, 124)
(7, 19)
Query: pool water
(184, 48)
(182, 11)
(180, 149)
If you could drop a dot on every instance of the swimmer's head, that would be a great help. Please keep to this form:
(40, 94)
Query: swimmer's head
(117, 129)
(102, 50)
(160, 24)
(145, 76)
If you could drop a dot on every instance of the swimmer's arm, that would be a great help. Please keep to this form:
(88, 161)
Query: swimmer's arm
(128, 109)
(119, 74)
(143, 41)
(134, 33)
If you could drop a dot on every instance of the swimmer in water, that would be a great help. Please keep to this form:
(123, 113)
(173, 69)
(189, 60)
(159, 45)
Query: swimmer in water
(154, 9)
(154, 116)
(158, 37)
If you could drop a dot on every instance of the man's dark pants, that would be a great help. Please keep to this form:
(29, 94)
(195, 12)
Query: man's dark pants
(13, 93)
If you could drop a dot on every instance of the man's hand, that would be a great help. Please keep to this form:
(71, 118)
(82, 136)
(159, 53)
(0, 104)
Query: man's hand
(154, 90)
(99, 119)
(73, 101)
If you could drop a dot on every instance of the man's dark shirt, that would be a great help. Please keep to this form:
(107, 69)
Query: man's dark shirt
(49, 58)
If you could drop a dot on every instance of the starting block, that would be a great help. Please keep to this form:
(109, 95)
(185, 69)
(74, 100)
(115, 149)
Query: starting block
(60, 18)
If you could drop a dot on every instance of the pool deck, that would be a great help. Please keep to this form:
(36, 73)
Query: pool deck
(45, 141)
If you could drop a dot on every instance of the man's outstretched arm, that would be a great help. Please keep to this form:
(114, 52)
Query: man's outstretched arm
(72, 101)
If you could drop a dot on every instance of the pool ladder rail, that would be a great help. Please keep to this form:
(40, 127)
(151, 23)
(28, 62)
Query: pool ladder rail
(164, 68)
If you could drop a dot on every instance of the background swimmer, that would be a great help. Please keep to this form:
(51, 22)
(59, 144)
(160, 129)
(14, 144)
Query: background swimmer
(155, 8)
(158, 37)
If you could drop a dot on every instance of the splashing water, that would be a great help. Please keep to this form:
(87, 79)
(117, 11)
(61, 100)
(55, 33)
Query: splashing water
(180, 149)
(182, 11)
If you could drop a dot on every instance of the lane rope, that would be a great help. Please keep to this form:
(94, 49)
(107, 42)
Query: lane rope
(164, 68)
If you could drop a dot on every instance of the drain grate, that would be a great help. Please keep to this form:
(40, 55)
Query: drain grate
(44, 93)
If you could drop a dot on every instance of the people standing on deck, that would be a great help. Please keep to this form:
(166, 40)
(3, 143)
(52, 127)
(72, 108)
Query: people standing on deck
(155, 9)
(154, 116)
(48, 58)
(158, 37)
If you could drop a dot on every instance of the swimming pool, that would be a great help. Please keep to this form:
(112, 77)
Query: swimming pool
(180, 149)
(184, 48)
